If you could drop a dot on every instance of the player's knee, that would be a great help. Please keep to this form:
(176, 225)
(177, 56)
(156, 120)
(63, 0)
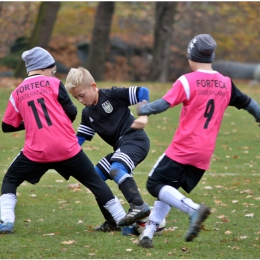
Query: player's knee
(118, 172)
(153, 187)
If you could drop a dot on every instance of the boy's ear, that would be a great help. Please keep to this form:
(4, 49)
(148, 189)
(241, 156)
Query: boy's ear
(93, 84)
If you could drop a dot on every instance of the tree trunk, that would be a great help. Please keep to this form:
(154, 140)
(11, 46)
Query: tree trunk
(42, 31)
(164, 19)
(100, 39)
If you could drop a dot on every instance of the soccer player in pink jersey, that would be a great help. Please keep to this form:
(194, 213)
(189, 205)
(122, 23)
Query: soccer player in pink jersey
(41, 106)
(205, 95)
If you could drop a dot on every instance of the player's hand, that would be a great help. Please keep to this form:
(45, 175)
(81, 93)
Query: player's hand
(138, 106)
(140, 122)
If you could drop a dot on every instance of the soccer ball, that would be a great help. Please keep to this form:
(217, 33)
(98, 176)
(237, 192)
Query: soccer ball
(140, 225)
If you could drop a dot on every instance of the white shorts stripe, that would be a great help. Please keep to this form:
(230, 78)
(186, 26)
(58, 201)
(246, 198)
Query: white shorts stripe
(125, 158)
(105, 164)
(158, 161)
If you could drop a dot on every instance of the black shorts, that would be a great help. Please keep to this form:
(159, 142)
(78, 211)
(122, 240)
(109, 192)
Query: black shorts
(79, 167)
(131, 149)
(169, 172)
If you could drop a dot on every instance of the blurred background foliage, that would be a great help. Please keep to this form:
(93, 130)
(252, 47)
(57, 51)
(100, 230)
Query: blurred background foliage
(234, 25)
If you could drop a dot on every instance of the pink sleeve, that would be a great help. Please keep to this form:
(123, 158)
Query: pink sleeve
(12, 116)
(176, 94)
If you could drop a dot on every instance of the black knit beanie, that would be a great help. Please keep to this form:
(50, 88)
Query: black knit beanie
(202, 49)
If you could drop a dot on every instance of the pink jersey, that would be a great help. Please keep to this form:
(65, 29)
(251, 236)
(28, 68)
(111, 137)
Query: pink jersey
(205, 96)
(49, 135)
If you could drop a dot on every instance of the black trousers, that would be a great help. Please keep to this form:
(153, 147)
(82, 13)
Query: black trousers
(79, 167)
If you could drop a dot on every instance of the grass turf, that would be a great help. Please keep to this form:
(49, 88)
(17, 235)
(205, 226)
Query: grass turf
(55, 218)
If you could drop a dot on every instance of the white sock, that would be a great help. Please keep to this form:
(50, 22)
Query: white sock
(115, 208)
(7, 205)
(174, 198)
(158, 213)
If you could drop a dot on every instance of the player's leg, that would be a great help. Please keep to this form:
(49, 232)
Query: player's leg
(163, 183)
(103, 168)
(21, 169)
(187, 177)
(158, 213)
(123, 162)
(82, 169)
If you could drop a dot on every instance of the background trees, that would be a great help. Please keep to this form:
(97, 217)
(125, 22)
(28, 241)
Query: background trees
(95, 62)
(130, 51)
(42, 31)
(164, 17)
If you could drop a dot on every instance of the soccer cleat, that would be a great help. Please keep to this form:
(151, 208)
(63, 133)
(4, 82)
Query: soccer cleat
(134, 213)
(107, 227)
(145, 242)
(196, 220)
(6, 227)
(130, 230)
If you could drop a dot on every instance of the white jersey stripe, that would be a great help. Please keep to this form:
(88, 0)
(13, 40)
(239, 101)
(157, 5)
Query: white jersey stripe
(185, 85)
(86, 130)
(132, 95)
(13, 103)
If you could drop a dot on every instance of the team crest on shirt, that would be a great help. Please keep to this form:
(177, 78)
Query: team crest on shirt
(107, 107)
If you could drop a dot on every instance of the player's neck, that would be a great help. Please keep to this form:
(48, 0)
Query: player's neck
(203, 66)
(96, 97)
(35, 72)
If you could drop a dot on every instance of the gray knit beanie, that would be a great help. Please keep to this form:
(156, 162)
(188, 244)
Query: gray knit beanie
(37, 58)
(202, 49)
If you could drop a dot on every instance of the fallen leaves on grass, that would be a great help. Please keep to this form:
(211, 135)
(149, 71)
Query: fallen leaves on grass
(59, 181)
(207, 187)
(223, 218)
(171, 229)
(135, 241)
(91, 148)
(69, 242)
(74, 186)
(227, 232)
(50, 234)
(185, 249)
(62, 201)
(249, 215)
(246, 191)
(166, 241)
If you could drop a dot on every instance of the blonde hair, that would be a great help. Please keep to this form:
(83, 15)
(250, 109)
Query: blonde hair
(78, 77)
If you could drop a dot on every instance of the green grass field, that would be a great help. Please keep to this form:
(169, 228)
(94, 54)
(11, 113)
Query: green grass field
(55, 218)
